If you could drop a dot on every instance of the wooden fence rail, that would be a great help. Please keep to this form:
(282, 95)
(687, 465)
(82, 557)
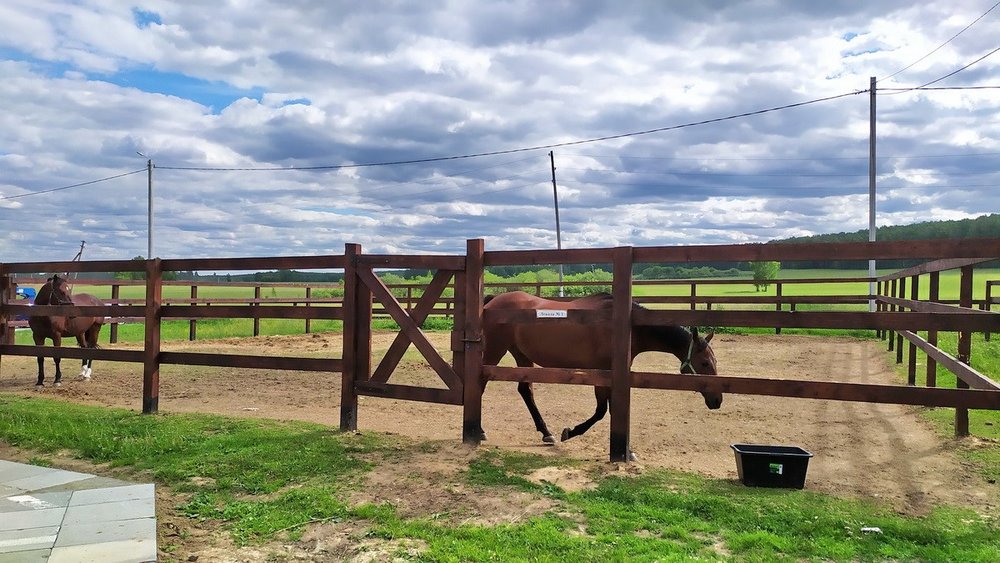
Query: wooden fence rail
(900, 314)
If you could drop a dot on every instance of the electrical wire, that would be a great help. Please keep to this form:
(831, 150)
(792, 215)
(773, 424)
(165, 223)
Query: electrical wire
(964, 29)
(73, 185)
(949, 75)
(518, 150)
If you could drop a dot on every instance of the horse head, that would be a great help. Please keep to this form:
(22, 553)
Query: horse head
(59, 291)
(701, 360)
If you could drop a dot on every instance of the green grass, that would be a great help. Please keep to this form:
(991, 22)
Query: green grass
(985, 458)
(239, 474)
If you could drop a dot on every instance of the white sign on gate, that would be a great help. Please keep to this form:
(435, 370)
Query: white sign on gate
(550, 314)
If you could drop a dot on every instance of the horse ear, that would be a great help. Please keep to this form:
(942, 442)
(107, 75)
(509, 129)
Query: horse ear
(709, 337)
(694, 333)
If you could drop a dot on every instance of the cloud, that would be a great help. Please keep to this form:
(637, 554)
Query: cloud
(340, 84)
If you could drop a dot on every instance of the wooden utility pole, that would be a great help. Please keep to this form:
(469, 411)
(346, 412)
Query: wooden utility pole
(555, 197)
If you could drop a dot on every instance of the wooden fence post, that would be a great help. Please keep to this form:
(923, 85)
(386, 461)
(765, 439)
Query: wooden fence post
(256, 305)
(308, 297)
(911, 362)
(988, 304)
(933, 294)
(892, 309)
(115, 294)
(151, 349)
(348, 394)
(193, 323)
(899, 337)
(7, 294)
(777, 305)
(472, 340)
(621, 361)
(964, 349)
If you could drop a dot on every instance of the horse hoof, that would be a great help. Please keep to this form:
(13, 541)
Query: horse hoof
(565, 435)
(548, 439)
(39, 386)
(631, 457)
(57, 384)
(84, 377)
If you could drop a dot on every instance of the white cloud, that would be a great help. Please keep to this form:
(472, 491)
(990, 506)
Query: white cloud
(311, 83)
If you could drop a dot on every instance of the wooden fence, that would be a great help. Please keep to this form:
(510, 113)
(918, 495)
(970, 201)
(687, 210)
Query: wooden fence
(462, 373)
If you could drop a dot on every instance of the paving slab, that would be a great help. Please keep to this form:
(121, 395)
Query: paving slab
(52, 515)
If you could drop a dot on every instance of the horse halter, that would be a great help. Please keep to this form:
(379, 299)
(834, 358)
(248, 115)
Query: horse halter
(686, 364)
(53, 282)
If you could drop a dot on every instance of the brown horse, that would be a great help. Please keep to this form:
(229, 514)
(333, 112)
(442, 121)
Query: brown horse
(584, 346)
(86, 329)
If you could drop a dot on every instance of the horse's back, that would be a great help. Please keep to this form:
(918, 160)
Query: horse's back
(553, 344)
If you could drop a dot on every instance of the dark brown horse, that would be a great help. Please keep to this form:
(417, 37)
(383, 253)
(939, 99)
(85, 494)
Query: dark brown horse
(86, 329)
(584, 346)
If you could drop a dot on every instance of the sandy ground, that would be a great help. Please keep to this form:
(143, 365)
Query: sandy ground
(884, 452)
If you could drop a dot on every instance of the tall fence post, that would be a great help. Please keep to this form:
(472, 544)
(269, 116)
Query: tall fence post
(151, 349)
(352, 322)
(988, 303)
(911, 363)
(193, 323)
(472, 340)
(115, 294)
(777, 305)
(308, 304)
(6, 296)
(892, 309)
(621, 361)
(256, 306)
(964, 349)
(899, 336)
(933, 294)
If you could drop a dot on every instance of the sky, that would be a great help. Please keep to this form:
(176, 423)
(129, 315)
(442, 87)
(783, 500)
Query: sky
(290, 128)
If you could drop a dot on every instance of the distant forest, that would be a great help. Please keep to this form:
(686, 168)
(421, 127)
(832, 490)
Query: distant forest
(981, 227)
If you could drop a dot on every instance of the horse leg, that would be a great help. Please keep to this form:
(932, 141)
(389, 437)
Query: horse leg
(603, 395)
(58, 380)
(41, 362)
(41, 372)
(83, 339)
(526, 390)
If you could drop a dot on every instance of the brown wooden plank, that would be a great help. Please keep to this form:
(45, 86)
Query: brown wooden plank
(408, 393)
(429, 262)
(103, 354)
(252, 361)
(151, 348)
(399, 345)
(836, 391)
(930, 307)
(250, 263)
(472, 341)
(942, 265)
(412, 330)
(529, 257)
(250, 312)
(880, 250)
(821, 319)
(597, 377)
(69, 267)
(76, 311)
(621, 359)
(963, 371)
(353, 318)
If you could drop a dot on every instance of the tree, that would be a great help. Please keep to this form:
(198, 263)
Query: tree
(764, 273)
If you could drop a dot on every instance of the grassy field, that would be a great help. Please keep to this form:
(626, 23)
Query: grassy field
(236, 475)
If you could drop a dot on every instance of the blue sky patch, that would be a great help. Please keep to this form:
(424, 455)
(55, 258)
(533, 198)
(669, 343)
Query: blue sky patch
(143, 19)
(213, 94)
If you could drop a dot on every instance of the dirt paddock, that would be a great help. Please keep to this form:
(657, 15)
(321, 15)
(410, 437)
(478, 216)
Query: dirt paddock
(884, 452)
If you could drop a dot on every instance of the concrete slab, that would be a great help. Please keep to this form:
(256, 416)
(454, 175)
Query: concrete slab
(53, 515)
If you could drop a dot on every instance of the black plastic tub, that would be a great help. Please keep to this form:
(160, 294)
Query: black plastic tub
(771, 466)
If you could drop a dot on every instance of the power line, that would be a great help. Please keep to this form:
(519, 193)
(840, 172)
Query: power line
(73, 185)
(964, 29)
(797, 159)
(949, 75)
(518, 150)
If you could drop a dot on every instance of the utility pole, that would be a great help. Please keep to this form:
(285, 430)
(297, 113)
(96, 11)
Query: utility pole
(149, 183)
(555, 197)
(871, 187)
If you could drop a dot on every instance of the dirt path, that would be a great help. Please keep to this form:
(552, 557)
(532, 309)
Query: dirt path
(884, 452)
